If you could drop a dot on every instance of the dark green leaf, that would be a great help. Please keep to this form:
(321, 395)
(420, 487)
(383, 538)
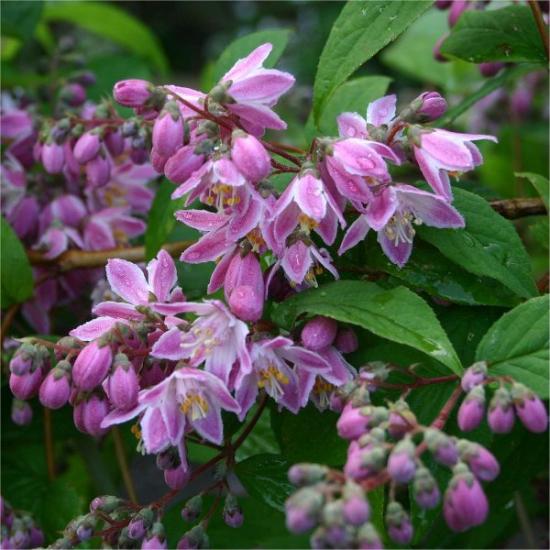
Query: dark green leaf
(508, 34)
(265, 478)
(244, 45)
(309, 436)
(397, 314)
(517, 345)
(111, 22)
(353, 96)
(15, 270)
(19, 19)
(429, 270)
(489, 245)
(540, 183)
(161, 218)
(361, 30)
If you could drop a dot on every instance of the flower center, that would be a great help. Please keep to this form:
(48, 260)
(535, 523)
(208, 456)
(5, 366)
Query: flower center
(195, 405)
(271, 379)
(399, 229)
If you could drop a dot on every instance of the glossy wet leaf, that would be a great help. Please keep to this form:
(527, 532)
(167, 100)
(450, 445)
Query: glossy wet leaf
(397, 314)
(517, 345)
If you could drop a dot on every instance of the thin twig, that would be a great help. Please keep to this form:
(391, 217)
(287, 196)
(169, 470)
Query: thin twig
(123, 465)
(541, 25)
(48, 443)
(7, 320)
(519, 208)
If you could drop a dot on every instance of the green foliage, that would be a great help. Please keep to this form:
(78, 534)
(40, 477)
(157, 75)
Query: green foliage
(243, 46)
(397, 314)
(19, 19)
(508, 34)
(361, 31)
(113, 23)
(517, 345)
(488, 246)
(540, 183)
(15, 270)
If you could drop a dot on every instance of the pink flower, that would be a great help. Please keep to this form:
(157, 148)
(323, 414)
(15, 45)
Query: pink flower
(441, 152)
(188, 399)
(254, 90)
(392, 213)
(216, 338)
(104, 229)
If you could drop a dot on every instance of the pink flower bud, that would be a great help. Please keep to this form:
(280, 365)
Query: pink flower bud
(437, 50)
(94, 410)
(352, 423)
(98, 171)
(168, 132)
(472, 410)
(136, 528)
(132, 93)
(490, 69)
(501, 415)
(26, 386)
(114, 141)
(531, 412)
(123, 385)
(319, 333)
(474, 376)
(399, 525)
(356, 510)
(232, 512)
(298, 520)
(433, 105)
(53, 157)
(21, 362)
(401, 465)
(458, 7)
(74, 94)
(465, 503)
(154, 543)
(426, 491)
(182, 164)
(368, 538)
(158, 161)
(442, 4)
(91, 366)
(177, 478)
(250, 157)
(87, 147)
(21, 412)
(482, 462)
(243, 271)
(346, 340)
(246, 303)
(442, 447)
(55, 390)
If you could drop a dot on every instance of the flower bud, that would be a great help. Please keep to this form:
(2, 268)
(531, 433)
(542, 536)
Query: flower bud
(399, 525)
(132, 93)
(456, 10)
(37, 537)
(364, 462)
(356, 507)
(438, 56)
(501, 415)
(401, 465)
(177, 477)
(136, 528)
(123, 384)
(368, 538)
(465, 503)
(303, 509)
(85, 526)
(442, 447)
(169, 459)
(55, 389)
(22, 360)
(529, 408)
(243, 270)
(490, 69)
(432, 106)
(158, 161)
(352, 422)
(306, 474)
(155, 539)
(91, 366)
(192, 509)
(182, 164)
(98, 171)
(93, 411)
(114, 143)
(472, 409)
(21, 412)
(73, 94)
(426, 491)
(194, 538)
(401, 419)
(474, 376)
(106, 504)
(26, 386)
(168, 130)
(482, 463)
(87, 147)
(346, 340)
(232, 512)
(319, 333)
(250, 157)
(53, 157)
(246, 303)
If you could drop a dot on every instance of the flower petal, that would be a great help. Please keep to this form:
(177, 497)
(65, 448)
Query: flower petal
(351, 125)
(201, 219)
(296, 262)
(117, 310)
(398, 254)
(251, 62)
(128, 281)
(207, 248)
(356, 233)
(94, 329)
(382, 111)
(162, 275)
(168, 346)
(309, 196)
(381, 208)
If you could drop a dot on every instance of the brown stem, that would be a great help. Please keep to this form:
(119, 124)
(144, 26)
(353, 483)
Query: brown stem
(123, 465)
(74, 259)
(281, 153)
(7, 320)
(419, 382)
(519, 208)
(541, 25)
(286, 147)
(48, 443)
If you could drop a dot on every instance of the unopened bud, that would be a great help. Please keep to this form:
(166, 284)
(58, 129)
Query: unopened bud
(192, 509)
(132, 93)
(472, 409)
(307, 474)
(319, 333)
(474, 375)
(21, 412)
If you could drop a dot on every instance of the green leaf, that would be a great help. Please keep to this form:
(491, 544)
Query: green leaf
(161, 218)
(353, 96)
(361, 30)
(15, 269)
(244, 45)
(111, 22)
(508, 34)
(428, 270)
(300, 443)
(517, 345)
(264, 476)
(397, 314)
(540, 183)
(19, 19)
(488, 246)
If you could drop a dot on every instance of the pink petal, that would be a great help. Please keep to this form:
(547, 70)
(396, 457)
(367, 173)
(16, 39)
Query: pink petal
(246, 394)
(262, 86)
(258, 114)
(328, 227)
(296, 262)
(351, 125)
(285, 222)
(98, 235)
(350, 186)
(381, 208)
(356, 233)
(225, 171)
(381, 111)
(168, 346)
(448, 151)
(94, 329)
(323, 257)
(309, 196)
(207, 248)
(201, 219)
(304, 358)
(210, 427)
(242, 224)
(153, 431)
(162, 275)
(251, 62)
(218, 275)
(117, 310)
(437, 179)
(128, 281)
(398, 254)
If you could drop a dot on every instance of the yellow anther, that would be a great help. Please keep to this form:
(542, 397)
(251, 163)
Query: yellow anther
(196, 405)
(136, 431)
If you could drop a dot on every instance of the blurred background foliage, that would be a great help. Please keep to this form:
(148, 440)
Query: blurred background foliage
(179, 42)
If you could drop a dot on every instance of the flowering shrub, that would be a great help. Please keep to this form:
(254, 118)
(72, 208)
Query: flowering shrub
(382, 313)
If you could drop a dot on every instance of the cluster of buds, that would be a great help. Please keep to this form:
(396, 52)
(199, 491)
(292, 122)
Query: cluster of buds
(18, 529)
(509, 400)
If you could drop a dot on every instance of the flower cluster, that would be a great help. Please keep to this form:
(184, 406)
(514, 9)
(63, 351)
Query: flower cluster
(18, 529)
